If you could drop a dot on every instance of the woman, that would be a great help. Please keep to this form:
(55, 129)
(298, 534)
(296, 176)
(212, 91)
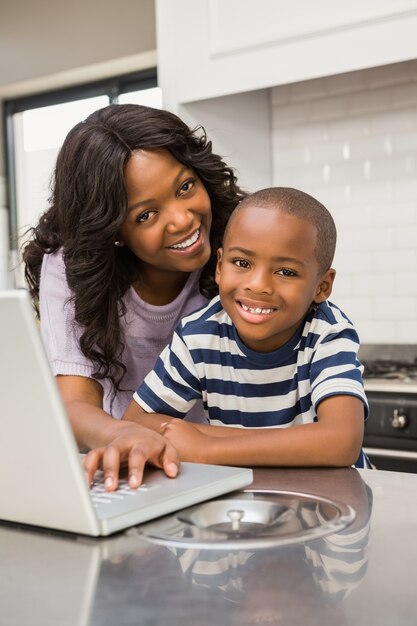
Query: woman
(127, 247)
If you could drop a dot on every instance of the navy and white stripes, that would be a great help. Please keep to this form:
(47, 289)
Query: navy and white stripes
(243, 388)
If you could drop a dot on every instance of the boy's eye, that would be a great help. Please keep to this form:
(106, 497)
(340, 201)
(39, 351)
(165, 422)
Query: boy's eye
(286, 272)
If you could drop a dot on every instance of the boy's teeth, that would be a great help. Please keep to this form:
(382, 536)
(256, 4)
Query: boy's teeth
(189, 242)
(256, 311)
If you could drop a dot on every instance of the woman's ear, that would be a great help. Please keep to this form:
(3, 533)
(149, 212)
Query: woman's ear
(325, 286)
(219, 265)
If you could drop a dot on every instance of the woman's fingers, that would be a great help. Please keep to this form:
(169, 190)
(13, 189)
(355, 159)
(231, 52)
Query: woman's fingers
(111, 467)
(91, 463)
(136, 465)
(170, 460)
(134, 445)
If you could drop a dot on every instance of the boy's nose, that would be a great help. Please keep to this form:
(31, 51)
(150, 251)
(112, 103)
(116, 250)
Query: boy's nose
(259, 282)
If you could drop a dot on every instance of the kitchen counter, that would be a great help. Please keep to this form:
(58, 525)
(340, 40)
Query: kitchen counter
(363, 574)
(390, 386)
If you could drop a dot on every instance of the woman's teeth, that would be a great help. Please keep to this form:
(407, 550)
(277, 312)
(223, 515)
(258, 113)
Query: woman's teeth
(257, 311)
(189, 242)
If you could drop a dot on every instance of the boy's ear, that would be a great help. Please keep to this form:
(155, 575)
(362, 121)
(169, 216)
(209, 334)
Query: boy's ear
(325, 286)
(219, 265)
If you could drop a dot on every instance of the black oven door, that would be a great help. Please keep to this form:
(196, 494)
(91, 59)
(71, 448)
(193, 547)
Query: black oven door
(392, 460)
(391, 431)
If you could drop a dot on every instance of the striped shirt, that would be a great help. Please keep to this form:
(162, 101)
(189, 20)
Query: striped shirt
(242, 388)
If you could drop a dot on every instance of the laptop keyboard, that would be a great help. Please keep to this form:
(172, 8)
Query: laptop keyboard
(100, 496)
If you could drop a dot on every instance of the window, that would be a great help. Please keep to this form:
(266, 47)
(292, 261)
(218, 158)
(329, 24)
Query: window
(38, 135)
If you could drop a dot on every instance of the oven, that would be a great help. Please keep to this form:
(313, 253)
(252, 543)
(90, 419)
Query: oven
(391, 428)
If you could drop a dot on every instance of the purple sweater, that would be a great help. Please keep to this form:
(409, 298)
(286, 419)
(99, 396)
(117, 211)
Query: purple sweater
(147, 329)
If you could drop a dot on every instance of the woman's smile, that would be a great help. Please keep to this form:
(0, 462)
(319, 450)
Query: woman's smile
(188, 244)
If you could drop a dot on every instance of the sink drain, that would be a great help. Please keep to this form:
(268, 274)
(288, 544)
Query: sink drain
(243, 516)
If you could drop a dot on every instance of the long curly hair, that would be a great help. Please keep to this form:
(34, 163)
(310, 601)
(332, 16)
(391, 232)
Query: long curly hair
(88, 205)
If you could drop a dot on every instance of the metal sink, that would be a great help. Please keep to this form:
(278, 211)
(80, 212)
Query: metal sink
(250, 519)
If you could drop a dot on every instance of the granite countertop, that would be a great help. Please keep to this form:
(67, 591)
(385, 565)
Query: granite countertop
(364, 574)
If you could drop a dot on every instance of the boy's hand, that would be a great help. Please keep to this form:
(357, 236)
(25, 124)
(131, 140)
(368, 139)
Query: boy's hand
(132, 445)
(187, 438)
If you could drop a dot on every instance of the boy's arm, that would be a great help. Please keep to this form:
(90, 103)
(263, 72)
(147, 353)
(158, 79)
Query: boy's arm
(158, 421)
(334, 440)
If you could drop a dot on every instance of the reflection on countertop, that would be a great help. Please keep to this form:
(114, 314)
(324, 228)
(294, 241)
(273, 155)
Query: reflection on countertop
(353, 576)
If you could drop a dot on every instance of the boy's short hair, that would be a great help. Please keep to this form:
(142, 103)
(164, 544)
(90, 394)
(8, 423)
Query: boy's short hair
(301, 205)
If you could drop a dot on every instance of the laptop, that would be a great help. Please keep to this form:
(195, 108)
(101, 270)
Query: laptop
(43, 482)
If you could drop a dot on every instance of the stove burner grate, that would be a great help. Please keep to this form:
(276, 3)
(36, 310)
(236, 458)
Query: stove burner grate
(391, 370)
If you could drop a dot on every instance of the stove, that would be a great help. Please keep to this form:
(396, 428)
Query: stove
(391, 429)
(387, 369)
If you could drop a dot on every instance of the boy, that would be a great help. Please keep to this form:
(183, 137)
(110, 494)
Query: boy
(274, 362)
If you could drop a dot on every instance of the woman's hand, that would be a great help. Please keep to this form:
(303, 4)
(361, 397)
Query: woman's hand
(132, 445)
(112, 443)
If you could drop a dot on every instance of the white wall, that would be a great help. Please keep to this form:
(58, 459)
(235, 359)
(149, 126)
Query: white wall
(351, 141)
(239, 127)
(340, 130)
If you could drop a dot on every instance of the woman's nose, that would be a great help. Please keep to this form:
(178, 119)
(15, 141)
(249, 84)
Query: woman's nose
(179, 218)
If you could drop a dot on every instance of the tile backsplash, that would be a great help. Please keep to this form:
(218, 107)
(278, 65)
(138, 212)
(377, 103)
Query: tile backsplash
(351, 141)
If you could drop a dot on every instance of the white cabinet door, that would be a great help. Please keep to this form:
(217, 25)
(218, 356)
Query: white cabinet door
(212, 48)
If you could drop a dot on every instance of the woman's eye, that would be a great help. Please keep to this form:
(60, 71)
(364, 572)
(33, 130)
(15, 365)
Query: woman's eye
(241, 263)
(143, 217)
(185, 187)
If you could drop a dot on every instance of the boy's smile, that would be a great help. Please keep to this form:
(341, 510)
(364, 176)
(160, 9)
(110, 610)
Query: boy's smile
(254, 311)
(268, 275)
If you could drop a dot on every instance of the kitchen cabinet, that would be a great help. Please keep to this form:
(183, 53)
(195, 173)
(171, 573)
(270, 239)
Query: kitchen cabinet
(217, 62)
(212, 48)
